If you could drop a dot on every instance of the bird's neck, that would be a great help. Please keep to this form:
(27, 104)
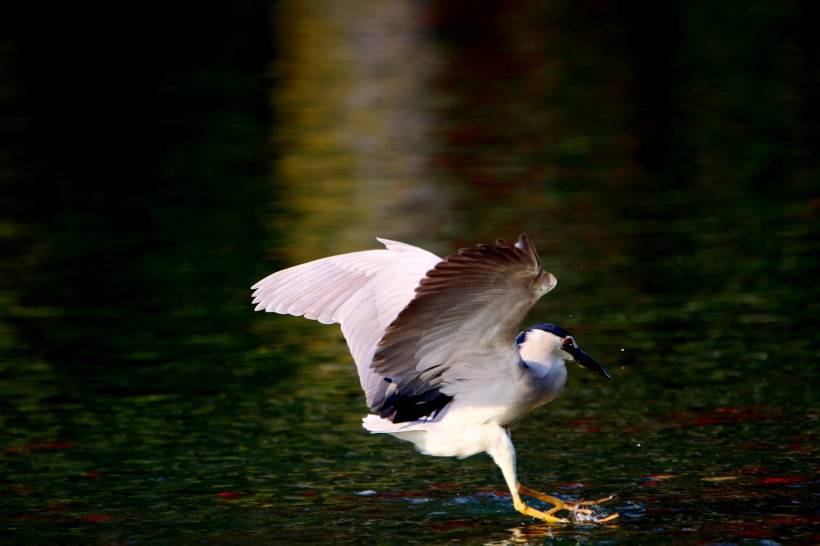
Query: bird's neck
(543, 367)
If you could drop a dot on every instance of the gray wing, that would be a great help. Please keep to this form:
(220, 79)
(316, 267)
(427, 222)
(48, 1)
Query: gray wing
(362, 291)
(461, 325)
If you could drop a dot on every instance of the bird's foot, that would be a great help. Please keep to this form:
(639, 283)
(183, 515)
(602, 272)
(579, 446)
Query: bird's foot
(537, 514)
(578, 511)
(585, 515)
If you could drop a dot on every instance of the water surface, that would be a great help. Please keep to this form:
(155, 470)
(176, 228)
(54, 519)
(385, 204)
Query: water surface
(659, 160)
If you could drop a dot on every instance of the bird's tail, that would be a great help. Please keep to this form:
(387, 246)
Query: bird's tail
(414, 432)
(376, 424)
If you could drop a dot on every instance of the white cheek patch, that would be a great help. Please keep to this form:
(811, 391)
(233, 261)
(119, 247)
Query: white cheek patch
(539, 345)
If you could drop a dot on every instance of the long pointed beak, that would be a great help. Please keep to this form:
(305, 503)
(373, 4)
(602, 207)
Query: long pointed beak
(587, 361)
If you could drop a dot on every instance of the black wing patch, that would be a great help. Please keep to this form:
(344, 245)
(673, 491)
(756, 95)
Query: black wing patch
(401, 407)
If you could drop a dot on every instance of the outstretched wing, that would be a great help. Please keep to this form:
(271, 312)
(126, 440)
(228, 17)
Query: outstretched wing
(363, 291)
(461, 325)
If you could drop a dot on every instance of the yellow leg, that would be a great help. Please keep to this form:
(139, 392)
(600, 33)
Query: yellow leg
(524, 490)
(537, 514)
(611, 517)
(499, 446)
(559, 504)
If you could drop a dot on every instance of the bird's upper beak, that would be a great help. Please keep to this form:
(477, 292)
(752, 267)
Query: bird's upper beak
(587, 361)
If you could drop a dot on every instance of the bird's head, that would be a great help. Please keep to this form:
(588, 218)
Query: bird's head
(546, 342)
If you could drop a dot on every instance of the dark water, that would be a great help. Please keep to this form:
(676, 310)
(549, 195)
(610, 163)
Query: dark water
(154, 166)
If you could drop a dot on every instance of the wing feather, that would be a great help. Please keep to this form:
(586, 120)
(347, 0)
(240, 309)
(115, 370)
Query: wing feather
(462, 322)
(363, 291)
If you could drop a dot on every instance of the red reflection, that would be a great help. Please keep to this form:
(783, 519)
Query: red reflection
(781, 480)
(96, 518)
(229, 494)
(40, 446)
(454, 524)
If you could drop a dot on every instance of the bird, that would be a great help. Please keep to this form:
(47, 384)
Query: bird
(436, 347)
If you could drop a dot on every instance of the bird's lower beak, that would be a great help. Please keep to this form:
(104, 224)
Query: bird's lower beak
(587, 361)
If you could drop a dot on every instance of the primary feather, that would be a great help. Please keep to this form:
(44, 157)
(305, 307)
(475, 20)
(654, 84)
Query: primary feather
(362, 291)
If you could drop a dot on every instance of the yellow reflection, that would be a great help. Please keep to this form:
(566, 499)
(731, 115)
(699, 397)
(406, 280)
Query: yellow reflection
(353, 132)
(537, 533)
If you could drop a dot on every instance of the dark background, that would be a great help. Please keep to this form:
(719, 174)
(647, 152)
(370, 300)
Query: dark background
(156, 160)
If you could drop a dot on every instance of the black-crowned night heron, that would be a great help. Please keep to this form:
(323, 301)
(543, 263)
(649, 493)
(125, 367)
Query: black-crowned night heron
(435, 345)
